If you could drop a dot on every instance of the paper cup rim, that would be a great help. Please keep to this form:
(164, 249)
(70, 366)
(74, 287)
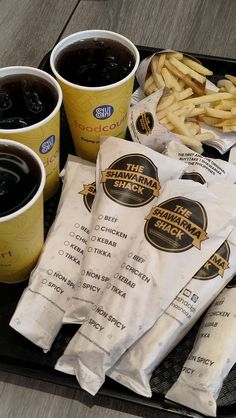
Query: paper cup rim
(89, 34)
(19, 69)
(42, 182)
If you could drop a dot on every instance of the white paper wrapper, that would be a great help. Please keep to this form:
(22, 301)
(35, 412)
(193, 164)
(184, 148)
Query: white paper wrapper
(232, 155)
(212, 357)
(200, 168)
(135, 367)
(222, 141)
(137, 96)
(145, 284)
(130, 178)
(38, 315)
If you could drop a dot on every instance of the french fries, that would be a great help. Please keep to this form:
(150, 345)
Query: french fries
(187, 103)
(221, 114)
(177, 72)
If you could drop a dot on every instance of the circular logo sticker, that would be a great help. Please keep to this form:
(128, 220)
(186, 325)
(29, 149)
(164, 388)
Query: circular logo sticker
(103, 112)
(194, 176)
(145, 123)
(88, 193)
(131, 180)
(216, 265)
(176, 225)
(47, 145)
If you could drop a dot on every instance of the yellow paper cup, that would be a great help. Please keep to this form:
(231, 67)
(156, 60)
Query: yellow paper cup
(21, 231)
(93, 112)
(42, 137)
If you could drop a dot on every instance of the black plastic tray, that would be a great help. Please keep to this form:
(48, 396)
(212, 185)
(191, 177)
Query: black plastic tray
(18, 355)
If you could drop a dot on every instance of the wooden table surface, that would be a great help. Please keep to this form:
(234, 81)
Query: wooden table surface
(28, 30)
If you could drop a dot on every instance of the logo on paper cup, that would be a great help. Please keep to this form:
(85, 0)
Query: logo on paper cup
(131, 180)
(216, 265)
(47, 144)
(88, 193)
(103, 112)
(176, 225)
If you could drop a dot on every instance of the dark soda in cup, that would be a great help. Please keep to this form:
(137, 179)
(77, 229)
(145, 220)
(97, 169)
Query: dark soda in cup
(25, 100)
(20, 178)
(30, 101)
(95, 62)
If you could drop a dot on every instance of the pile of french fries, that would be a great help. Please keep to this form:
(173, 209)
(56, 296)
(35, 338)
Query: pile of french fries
(186, 102)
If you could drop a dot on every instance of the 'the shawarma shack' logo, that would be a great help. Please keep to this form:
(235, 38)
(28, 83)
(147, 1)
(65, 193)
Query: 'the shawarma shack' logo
(145, 123)
(88, 193)
(131, 180)
(176, 225)
(216, 265)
